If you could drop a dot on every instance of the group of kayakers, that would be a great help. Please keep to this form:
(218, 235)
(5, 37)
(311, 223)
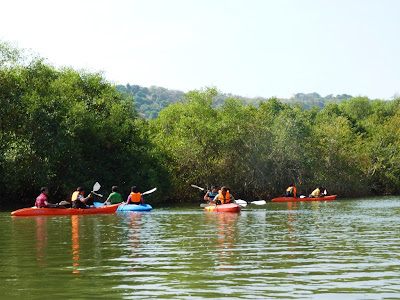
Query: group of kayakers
(291, 191)
(221, 196)
(78, 200)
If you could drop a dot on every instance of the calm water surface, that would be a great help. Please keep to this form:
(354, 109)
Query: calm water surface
(343, 249)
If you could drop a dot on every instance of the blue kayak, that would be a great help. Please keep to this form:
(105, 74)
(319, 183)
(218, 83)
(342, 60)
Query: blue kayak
(129, 207)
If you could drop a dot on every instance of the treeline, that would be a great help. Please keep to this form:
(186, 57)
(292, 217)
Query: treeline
(149, 102)
(64, 128)
(351, 148)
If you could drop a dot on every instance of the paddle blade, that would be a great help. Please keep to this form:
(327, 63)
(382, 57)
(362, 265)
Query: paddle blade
(240, 202)
(197, 187)
(149, 192)
(259, 202)
(96, 187)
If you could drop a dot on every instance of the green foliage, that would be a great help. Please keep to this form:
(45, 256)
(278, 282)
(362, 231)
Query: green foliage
(67, 128)
(63, 128)
(351, 148)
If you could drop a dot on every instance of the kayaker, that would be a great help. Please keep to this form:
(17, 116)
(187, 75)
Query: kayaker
(135, 197)
(223, 196)
(291, 191)
(42, 200)
(316, 193)
(114, 197)
(210, 195)
(78, 199)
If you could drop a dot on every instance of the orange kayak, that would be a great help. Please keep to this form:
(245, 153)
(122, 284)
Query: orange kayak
(292, 199)
(229, 207)
(34, 211)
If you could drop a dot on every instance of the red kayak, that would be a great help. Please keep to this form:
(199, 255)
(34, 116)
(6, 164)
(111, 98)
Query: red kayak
(292, 199)
(229, 207)
(34, 211)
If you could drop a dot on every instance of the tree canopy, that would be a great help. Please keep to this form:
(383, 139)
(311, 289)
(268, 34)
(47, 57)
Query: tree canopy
(64, 128)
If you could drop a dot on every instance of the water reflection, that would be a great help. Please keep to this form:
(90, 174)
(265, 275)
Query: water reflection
(41, 239)
(292, 218)
(341, 249)
(134, 236)
(226, 223)
(75, 243)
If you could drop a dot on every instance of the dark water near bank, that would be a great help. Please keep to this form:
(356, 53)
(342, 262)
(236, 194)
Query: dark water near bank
(342, 249)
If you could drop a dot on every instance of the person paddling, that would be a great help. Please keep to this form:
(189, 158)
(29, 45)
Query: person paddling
(223, 196)
(211, 194)
(291, 191)
(78, 199)
(42, 200)
(316, 193)
(114, 197)
(135, 197)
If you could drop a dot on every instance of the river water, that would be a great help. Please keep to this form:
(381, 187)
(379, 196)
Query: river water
(342, 249)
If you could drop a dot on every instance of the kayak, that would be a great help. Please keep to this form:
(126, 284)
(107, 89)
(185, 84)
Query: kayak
(34, 211)
(129, 207)
(229, 207)
(292, 199)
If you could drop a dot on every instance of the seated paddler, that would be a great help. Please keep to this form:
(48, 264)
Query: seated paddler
(135, 197)
(223, 196)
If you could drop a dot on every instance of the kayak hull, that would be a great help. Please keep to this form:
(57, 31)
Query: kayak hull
(129, 207)
(34, 211)
(292, 199)
(229, 207)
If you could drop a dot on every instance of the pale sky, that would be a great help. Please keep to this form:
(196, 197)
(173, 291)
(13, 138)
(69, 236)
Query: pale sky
(245, 47)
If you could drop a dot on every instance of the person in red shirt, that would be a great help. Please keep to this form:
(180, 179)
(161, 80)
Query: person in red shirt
(42, 200)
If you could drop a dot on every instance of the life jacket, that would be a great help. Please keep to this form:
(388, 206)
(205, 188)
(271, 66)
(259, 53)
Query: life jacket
(135, 198)
(292, 189)
(221, 197)
(40, 201)
(75, 195)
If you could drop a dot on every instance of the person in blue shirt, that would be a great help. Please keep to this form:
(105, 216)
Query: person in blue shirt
(211, 194)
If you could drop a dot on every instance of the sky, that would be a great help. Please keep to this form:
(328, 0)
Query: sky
(251, 48)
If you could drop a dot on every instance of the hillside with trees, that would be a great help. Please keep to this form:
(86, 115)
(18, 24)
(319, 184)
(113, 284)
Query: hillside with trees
(150, 101)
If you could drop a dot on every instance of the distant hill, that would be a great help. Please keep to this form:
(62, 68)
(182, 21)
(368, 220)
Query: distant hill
(150, 101)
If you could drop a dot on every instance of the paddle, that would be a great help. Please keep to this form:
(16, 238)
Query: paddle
(202, 189)
(149, 192)
(96, 187)
(241, 202)
(257, 202)
(195, 186)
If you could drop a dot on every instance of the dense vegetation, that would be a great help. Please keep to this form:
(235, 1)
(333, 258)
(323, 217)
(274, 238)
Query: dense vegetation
(149, 102)
(67, 128)
(63, 128)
